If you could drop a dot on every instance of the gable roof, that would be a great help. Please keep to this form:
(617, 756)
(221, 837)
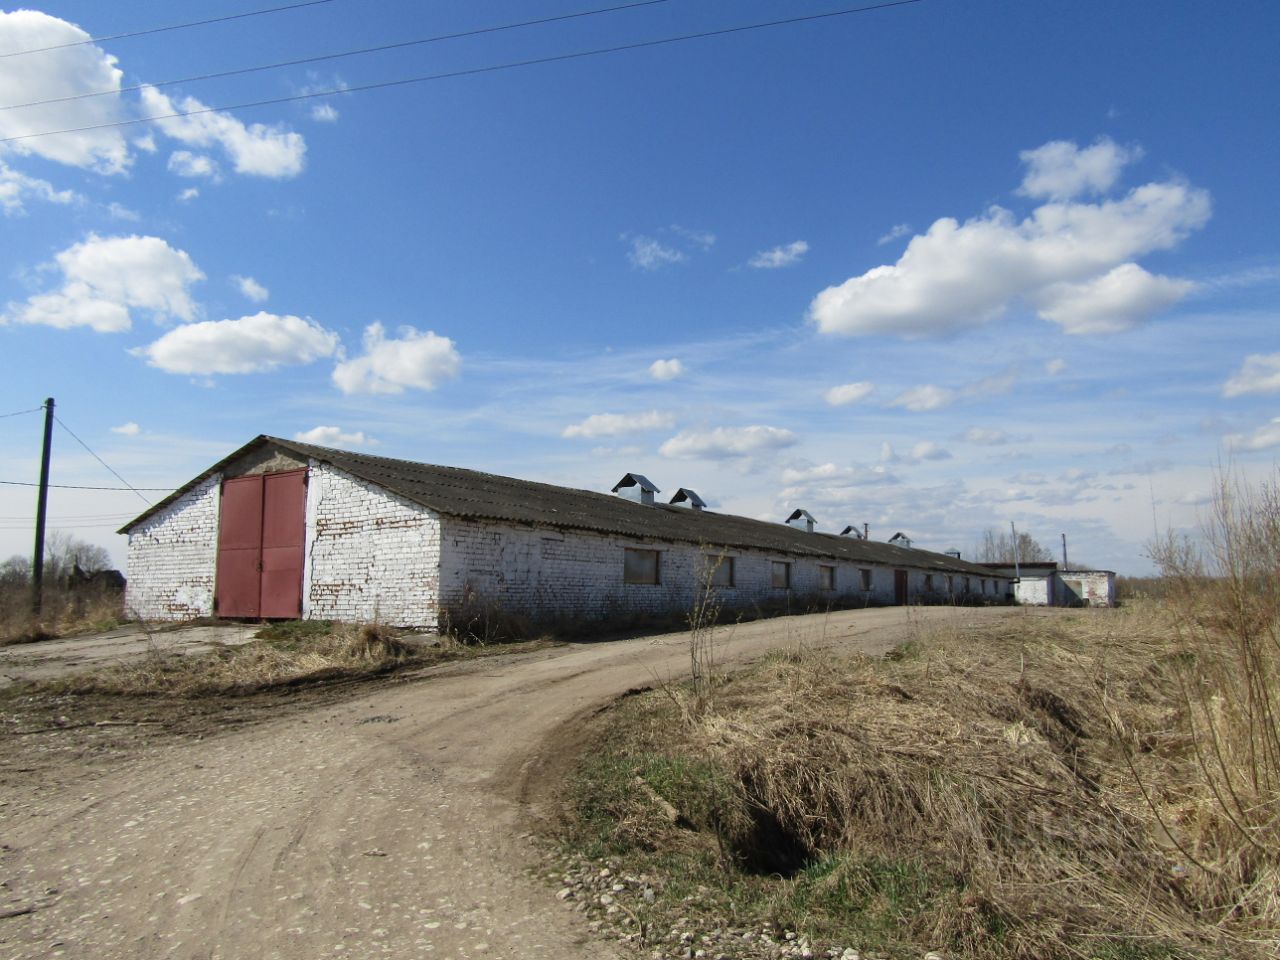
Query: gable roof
(471, 494)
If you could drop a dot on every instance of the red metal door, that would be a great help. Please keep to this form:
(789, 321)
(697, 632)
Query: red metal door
(260, 546)
(284, 528)
(900, 587)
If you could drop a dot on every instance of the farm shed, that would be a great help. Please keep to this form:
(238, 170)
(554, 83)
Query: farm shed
(1044, 585)
(281, 529)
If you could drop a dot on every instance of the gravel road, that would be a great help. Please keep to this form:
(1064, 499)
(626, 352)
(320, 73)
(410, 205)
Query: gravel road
(394, 824)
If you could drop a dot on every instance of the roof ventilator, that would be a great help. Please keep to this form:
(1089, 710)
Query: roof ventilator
(687, 498)
(900, 539)
(852, 531)
(801, 520)
(637, 487)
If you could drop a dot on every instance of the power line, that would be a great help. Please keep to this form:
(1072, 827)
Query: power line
(337, 56)
(67, 486)
(493, 68)
(174, 26)
(20, 413)
(100, 460)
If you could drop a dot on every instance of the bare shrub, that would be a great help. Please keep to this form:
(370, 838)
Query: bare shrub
(1224, 809)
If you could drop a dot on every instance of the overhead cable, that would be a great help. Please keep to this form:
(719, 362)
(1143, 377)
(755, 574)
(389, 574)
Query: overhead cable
(68, 486)
(100, 460)
(472, 71)
(172, 26)
(383, 48)
(19, 413)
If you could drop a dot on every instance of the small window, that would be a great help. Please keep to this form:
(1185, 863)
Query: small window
(719, 570)
(781, 575)
(928, 581)
(826, 578)
(866, 579)
(640, 566)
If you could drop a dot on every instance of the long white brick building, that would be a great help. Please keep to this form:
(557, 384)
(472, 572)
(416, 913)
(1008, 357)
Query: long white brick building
(285, 529)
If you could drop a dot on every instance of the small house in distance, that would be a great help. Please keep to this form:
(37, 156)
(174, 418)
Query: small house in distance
(1044, 585)
(280, 529)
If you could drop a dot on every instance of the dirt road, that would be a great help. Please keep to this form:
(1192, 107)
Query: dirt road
(392, 825)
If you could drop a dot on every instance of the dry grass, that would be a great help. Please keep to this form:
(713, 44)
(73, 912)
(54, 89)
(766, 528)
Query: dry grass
(318, 653)
(64, 613)
(973, 793)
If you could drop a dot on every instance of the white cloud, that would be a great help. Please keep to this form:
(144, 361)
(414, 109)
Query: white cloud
(250, 288)
(419, 360)
(1260, 373)
(335, 437)
(1055, 366)
(702, 239)
(1118, 300)
(724, 443)
(1263, 438)
(255, 150)
(105, 278)
(896, 232)
(1060, 170)
(985, 437)
(848, 393)
(799, 478)
(324, 113)
(65, 72)
(666, 369)
(184, 163)
(928, 450)
(1063, 258)
(649, 254)
(252, 344)
(619, 424)
(118, 211)
(15, 187)
(189, 194)
(923, 398)
(779, 256)
(129, 429)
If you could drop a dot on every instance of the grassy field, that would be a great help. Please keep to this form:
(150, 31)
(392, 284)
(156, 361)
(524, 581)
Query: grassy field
(1041, 788)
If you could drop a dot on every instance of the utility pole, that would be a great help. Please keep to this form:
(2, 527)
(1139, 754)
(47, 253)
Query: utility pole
(42, 504)
(1064, 553)
(1017, 574)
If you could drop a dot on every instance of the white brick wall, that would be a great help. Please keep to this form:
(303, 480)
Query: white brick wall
(370, 555)
(548, 573)
(172, 557)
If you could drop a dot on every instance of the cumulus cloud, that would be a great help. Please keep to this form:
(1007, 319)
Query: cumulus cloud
(65, 72)
(104, 279)
(724, 443)
(256, 150)
(1263, 438)
(324, 436)
(1069, 259)
(324, 113)
(1055, 366)
(1118, 300)
(129, 429)
(666, 369)
(420, 360)
(189, 194)
(184, 163)
(1060, 170)
(830, 473)
(896, 232)
(650, 254)
(848, 393)
(16, 188)
(1260, 373)
(702, 239)
(779, 256)
(928, 450)
(250, 288)
(253, 344)
(619, 424)
(924, 398)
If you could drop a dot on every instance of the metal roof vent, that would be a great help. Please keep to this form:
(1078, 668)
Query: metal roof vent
(687, 498)
(953, 552)
(637, 487)
(900, 539)
(801, 520)
(852, 531)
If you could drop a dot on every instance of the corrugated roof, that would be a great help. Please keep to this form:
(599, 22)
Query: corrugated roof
(471, 494)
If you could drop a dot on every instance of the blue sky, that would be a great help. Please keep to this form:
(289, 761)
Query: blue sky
(932, 268)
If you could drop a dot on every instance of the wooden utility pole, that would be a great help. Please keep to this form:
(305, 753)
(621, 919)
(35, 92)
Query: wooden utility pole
(1064, 553)
(42, 504)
